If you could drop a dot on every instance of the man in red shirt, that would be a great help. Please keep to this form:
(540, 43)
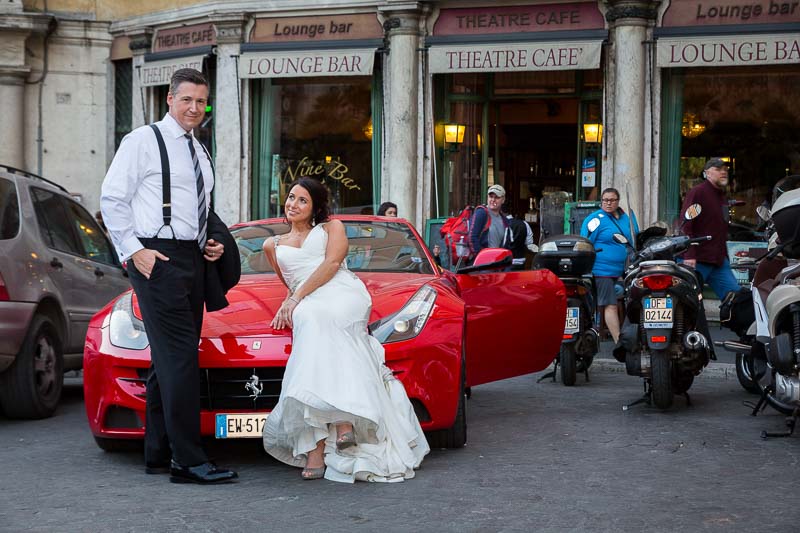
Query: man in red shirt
(710, 258)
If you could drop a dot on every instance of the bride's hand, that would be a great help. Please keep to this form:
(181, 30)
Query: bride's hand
(283, 318)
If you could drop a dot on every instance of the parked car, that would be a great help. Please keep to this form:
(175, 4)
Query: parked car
(57, 269)
(443, 332)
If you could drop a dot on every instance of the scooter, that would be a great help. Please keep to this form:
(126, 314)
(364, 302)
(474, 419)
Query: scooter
(571, 258)
(665, 337)
(783, 312)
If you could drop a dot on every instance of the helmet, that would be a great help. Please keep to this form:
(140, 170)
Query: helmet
(785, 213)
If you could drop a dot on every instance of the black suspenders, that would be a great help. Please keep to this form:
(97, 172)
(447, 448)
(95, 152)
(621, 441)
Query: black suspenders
(166, 205)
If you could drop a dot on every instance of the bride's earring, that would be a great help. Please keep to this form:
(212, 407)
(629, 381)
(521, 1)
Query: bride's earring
(313, 221)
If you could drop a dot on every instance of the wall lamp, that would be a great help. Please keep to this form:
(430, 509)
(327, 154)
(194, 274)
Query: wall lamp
(454, 135)
(593, 133)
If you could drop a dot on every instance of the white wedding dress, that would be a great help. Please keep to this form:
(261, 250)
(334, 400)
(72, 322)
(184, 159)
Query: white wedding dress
(336, 373)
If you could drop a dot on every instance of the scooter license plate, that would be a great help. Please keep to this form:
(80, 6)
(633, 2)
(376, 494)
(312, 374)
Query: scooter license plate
(658, 313)
(573, 319)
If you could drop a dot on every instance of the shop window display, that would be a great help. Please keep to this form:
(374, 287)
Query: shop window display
(749, 116)
(323, 129)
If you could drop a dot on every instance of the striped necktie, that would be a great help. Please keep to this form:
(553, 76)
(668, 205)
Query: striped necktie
(201, 195)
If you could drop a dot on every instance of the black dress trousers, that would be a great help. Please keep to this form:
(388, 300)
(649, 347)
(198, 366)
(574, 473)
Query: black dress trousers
(171, 302)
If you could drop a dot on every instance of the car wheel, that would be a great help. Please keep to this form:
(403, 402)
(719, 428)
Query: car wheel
(31, 387)
(456, 435)
(118, 445)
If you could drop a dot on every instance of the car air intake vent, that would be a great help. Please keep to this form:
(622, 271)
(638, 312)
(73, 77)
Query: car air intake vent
(240, 388)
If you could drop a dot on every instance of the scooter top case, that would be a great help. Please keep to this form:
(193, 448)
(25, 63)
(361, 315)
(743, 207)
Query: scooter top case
(566, 255)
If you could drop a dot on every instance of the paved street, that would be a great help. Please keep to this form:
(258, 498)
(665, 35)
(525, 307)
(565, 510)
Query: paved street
(540, 457)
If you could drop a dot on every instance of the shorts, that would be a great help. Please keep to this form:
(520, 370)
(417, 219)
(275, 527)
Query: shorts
(607, 291)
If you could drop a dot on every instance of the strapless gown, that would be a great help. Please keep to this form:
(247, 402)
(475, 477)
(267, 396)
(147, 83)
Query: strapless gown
(336, 373)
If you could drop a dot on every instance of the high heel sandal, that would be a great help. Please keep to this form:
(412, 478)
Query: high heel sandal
(313, 473)
(346, 440)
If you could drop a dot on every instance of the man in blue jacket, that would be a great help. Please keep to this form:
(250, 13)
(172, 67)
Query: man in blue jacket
(600, 227)
(498, 234)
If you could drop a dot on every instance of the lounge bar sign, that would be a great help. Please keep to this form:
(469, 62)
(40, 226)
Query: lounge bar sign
(160, 72)
(300, 63)
(317, 28)
(184, 37)
(516, 19)
(729, 50)
(692, 13)
(513, 57)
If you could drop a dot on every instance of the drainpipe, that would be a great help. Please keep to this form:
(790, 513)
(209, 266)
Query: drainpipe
(51, 28)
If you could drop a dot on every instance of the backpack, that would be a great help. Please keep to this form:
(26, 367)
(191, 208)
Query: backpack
(457, 229)
(736, 311)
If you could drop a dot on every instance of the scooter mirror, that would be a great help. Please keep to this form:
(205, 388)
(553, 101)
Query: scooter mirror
(620, 238)
(693, 211)
(763, 212)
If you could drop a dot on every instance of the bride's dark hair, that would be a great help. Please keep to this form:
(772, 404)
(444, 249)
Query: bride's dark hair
(319, 198)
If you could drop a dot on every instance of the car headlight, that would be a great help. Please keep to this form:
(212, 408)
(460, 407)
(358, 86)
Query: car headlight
(408, 321)
(124, 329)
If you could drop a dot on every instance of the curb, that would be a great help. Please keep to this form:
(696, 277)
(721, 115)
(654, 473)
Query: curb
(712, 371)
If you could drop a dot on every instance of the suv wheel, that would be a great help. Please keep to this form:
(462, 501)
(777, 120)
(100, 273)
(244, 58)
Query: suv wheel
(31, 387)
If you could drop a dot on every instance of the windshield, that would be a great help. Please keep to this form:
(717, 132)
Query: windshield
(373, 247)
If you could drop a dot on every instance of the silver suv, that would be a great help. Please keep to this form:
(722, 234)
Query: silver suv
(57, 269)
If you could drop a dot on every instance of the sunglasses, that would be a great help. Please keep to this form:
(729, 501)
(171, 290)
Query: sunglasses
(610, 200)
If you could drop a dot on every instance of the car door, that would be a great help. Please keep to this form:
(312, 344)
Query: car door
(72, 277)
(109, 278)
(514, 322)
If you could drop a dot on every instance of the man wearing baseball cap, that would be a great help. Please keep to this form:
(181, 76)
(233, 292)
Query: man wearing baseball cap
(710, 258)
(498, 233)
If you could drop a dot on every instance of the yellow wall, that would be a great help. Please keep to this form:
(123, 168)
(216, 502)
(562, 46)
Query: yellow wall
(109, 10)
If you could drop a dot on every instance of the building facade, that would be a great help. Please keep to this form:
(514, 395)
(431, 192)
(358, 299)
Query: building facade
(422, 103)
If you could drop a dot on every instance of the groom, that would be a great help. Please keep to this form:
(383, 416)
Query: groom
(167, 247)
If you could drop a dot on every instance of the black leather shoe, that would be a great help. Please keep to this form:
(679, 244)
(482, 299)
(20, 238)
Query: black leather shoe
(156, 468)
(204, 474)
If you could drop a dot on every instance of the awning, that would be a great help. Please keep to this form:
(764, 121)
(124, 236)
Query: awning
(301, 63)
(515, 56)
(728, 50)
(159, 72)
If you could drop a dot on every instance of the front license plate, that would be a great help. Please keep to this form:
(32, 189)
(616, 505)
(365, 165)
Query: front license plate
(573, 317)
(658, 313)
(240, 425)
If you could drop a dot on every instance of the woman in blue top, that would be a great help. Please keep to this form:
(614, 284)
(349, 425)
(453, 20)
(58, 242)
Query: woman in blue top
(600, 227)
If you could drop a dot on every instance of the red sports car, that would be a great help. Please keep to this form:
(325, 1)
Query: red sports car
(443, 332)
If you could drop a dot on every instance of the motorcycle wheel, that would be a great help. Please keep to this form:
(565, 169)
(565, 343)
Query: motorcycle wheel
(567, 357)
(661, 368)
(744, 372)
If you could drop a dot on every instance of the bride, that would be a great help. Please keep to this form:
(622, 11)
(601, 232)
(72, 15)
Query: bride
(341, 413)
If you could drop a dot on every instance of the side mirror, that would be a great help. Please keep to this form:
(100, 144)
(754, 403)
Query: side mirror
(693, 211)
(488, 259)
(620, 238)
(763, 212)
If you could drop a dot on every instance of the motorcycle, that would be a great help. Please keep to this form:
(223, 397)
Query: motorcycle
(665, 337)
(571, 258)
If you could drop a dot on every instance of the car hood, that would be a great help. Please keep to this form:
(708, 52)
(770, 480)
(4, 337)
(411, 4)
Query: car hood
(257, 297)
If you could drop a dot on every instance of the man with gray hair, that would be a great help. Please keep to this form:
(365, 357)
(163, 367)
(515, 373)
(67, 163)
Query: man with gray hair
(162, 234)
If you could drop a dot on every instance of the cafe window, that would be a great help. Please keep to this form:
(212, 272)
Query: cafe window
(746, 115)
(314, 127)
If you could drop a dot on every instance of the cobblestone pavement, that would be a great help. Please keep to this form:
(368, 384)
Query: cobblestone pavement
(541, 457)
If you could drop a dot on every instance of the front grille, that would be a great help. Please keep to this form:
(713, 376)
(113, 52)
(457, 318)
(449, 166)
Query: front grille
(234, 388)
